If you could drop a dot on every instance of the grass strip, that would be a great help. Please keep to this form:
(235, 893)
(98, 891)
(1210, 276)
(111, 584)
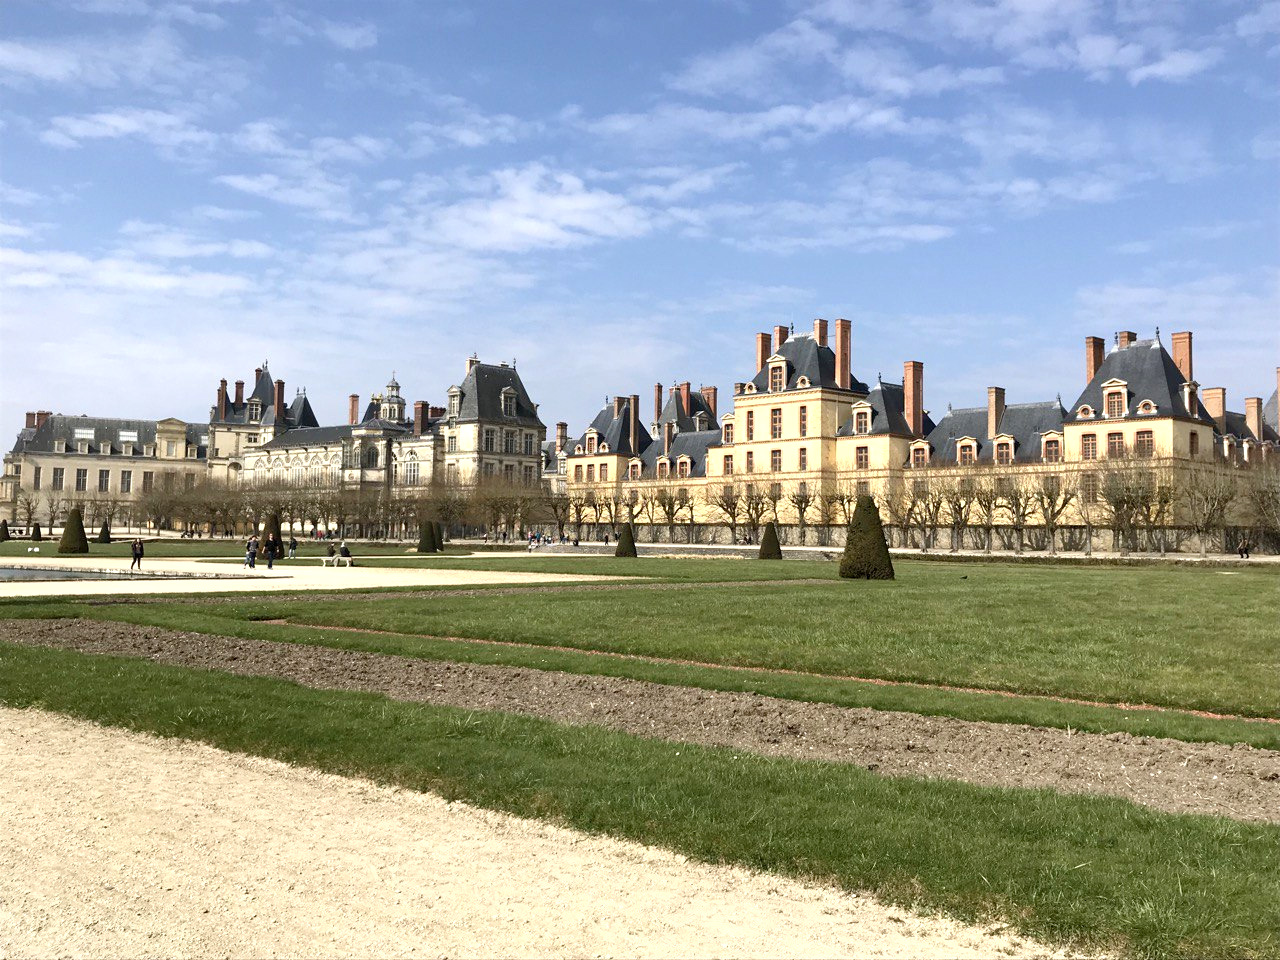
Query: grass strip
(962, 705)
(1092, 872)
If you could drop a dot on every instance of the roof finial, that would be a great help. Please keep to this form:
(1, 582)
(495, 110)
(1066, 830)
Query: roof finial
(1157, 334)
(513, 363)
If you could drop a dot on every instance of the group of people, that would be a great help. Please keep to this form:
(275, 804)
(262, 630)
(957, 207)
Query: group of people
(539, 539)
(272, 549)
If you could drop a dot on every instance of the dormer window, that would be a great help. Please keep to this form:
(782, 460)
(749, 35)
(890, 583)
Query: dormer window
(1085, 412)
(777, 377)
(967, 454)
(803, 382)
(919, 456)
(633, 471)
(509, 405)
(59, 446)
(862, 422)
(1115, 404)
(1004, 453)
(577, 449)
(728, 433)
(455, 402)
(664, 469)
(749, 388)
(591, 443)
(1052, 451)
(1146, 408)
(604, 448)
(682, 469)
(255, 409)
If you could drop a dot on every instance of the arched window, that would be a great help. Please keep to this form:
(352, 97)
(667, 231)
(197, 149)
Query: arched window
(371, 457)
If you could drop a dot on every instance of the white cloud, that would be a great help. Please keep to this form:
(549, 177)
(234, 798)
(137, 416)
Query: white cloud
(350, 36)
(61, 269)
(1176, 65)
(159, 127)
(290, 28)
(1262, 22)
(754, 69)
(167, 243)
(312, 191)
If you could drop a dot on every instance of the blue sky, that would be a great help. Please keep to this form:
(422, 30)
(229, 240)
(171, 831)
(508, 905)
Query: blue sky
(615, 194)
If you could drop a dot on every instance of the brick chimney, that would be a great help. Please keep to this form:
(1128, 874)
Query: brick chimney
(353, 409)
(995, 409)
(1094, 351)
(31, 419)
(562, 435)
(738, 387)
(657, 402)
(419, 417)
(1182, 354)
(1215, 402)
(41, 417)
(472, 362)
(222, 399)
(633, 419)
(685, 391)
(842, 350)
(435, 413)
(617, 406)
(239, 393)
(762, 350)
(1126, 339)
(709, 395)
(913, 396)
(257, 375)
(281, 422)
(668, 434)
(820, 332)
(1253, 416)
(779, 337)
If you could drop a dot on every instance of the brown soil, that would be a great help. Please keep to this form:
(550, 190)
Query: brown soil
(1235, 781)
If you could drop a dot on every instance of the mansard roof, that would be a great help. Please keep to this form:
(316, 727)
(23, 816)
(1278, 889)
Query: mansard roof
(888, 417)
(1271, 411)
(1150, 373)
(481, 396)
(673, 411)
(1237, 425)
(694, 444)
(616, 431)
(806, 358)
(1025, 422)
(296, 414)
(106, 434)
(309, 437)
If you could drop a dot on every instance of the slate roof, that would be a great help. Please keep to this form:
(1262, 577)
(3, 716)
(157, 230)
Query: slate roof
(1238, 426)
(296, 414)
(695, 444)
(888, 404)
(481, 396)
(1150, 373)
(673, 411)
(106, 435)
(805, 358)
(1271, 411)
(616, 432)
(308, 436)
(1025, 422)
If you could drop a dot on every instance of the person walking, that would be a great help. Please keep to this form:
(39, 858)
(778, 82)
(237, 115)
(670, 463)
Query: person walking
(138, 551)
(270, 548)
(293, 547)
(251, 552)
(1243, 547)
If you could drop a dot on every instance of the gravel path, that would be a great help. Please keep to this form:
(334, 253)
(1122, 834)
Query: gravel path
(1235, 781)
(121, 845)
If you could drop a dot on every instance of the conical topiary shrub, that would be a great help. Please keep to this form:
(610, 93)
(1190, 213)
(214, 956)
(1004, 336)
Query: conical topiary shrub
(4, 530)
(73, 538)
(770, 548)
(104, 535)
(866, 554)
(439, 535)
(626, 542)
(427, 537)
(35, 532)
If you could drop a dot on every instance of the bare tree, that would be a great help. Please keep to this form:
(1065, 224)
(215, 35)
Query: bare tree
(1053, 497)
(1263, 491)
(926, 507)
(987, 504)
(1018, 496)
(727, 499)
(800, 496)
(957, 496)
(755, 505)
(1206, 493)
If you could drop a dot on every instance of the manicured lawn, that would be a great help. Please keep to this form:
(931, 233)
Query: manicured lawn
(1178, 637)
(1093, 872)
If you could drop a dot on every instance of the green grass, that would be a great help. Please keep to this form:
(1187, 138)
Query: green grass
(1183, 638)
(1094, 872)
(232, 549)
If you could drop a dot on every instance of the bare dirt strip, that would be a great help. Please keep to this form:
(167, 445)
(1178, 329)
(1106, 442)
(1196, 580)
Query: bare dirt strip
(122, 845)
(1236, 781)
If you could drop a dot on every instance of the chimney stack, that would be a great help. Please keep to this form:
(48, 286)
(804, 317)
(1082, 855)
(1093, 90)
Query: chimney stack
(657, 402)
(913, 396)
(1094, 350)
(1253, 416)
(1125, 339)
(684, 398)
(1215, 402)
(353, 409)
(709, 395)
(618, 401)
(239, 393)
(820, 332)
(257, 375)
(842, 350)
(633, 417)
(779, 337)
(995, 410)
(668, 433)
(41, 417)
(762, 350)
(1182, 354)
(31, 419)
(738, 387)
(435, 413)
(472, 362)
(562, 436)
(419, 417)
(281, 422)
(222, 399)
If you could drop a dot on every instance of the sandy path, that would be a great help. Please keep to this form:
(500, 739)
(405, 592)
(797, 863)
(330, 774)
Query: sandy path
(118, 844)
(1236, 781)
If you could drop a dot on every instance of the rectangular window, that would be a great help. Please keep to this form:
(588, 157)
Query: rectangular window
(529, 440)
(104, 481)
(1089, 447)
(1052, 451)
(634, 471)
(509, 472)
(509, 441)
(1195, 443)
(775, 378)
(862, 457)
(1115, 445)
(751, 424)
(862, 421)
(804, 421)
(775, 424)
(728, 466)
(508, 406)
(864, 488)
(58, 475)
(1115, 404)
(489, 469)
(775, 461)
(82, 481)
(751, 462)
(128, 436)
(1089, 487)
(1004, 453)
(1146, 444)
(804, 458)
(490, 440)
(966, 455)
(35, 478)
(682, 469)
(126, 481)
(452, 444)
(528, 475)
(604, 473)
(591, 444)
(148, 481)
(591, 473)
(168, 480)
(728, 433)
(189, 481)
(919, 457)
(577, 473)
(170, 448)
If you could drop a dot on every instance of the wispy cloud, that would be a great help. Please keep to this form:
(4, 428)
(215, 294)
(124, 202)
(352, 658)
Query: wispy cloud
(164, 129)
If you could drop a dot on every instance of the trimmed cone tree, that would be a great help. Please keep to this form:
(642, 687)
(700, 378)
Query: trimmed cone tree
(866, 554)
(626, 542)
(427, 537)
(73, 538)
(770, 548)
(35, 532)
(104, 535)
(4, 530)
